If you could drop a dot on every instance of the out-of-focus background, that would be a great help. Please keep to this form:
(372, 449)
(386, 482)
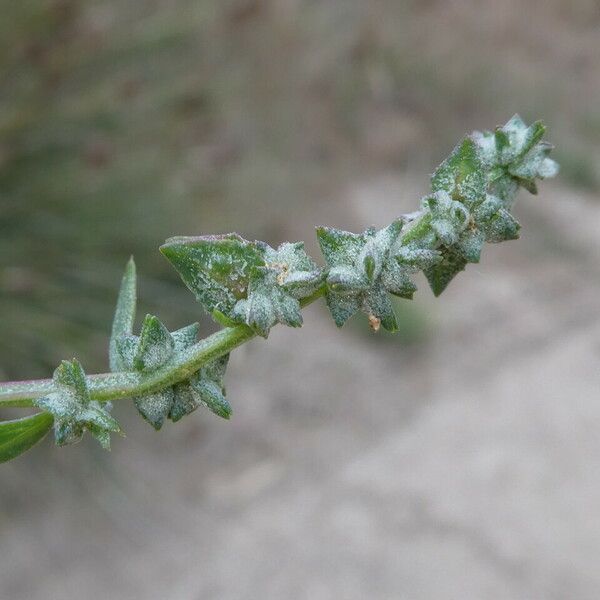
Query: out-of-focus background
(458, 459)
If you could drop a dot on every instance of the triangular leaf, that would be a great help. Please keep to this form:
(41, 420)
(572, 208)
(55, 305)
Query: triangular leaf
(501, 227)
(155, 407)
(377, 304)
(339, 247)
(185, 401)
(462, 174)
(342, 306)
(441, 274)
(186, 337)
(155, 345)
(69, 378)
(211, 396)
(215, 268)
(126, 348)
(470, 244)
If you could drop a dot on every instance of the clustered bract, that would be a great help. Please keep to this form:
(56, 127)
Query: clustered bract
(73, 410)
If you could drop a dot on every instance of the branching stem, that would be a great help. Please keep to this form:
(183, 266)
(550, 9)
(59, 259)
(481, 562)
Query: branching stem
(249, 287)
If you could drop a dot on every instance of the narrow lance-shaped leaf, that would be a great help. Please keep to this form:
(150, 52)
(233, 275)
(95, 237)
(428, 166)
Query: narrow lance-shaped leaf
(124, 315)
(20, 435)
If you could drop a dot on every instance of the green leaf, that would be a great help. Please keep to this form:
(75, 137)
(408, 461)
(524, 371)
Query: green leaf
(211, 395)
(155, 345)
(246, 282)
(155, 407)
(502, 140)
(470, 244)
(273, 291)
(96, 415)
(205, 388)
(126, 348)
(208, 386)
(411, 255)
(69, 378)
(441, 274)
(342, 307)
(396, 277)
(421, 233)
(290, 257)
(215, 268)
(185, 337)
(67, 432)
(185, 401)
(505, 187)
(297, 273)
(375, 252)
(449, 218)
(378, 307)
(520, 138)
(347, 280)
(501, 227)
(124, 315)
(339, 247)
(535, 164)
(100, 423)
(535, 133)
(302, 284)
(462, 174)
(20, 435)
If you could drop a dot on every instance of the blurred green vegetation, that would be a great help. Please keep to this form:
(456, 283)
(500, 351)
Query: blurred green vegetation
(125, 122)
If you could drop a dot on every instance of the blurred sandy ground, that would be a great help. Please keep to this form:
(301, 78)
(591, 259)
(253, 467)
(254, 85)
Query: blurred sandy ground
(457, 460)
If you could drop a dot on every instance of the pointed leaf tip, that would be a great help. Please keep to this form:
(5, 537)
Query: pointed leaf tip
(124, 314)
(215, 268)
(441, 274)
(155, 345)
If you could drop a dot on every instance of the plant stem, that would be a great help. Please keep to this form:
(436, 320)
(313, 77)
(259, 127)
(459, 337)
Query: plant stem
(118, 386)
(105, 387)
